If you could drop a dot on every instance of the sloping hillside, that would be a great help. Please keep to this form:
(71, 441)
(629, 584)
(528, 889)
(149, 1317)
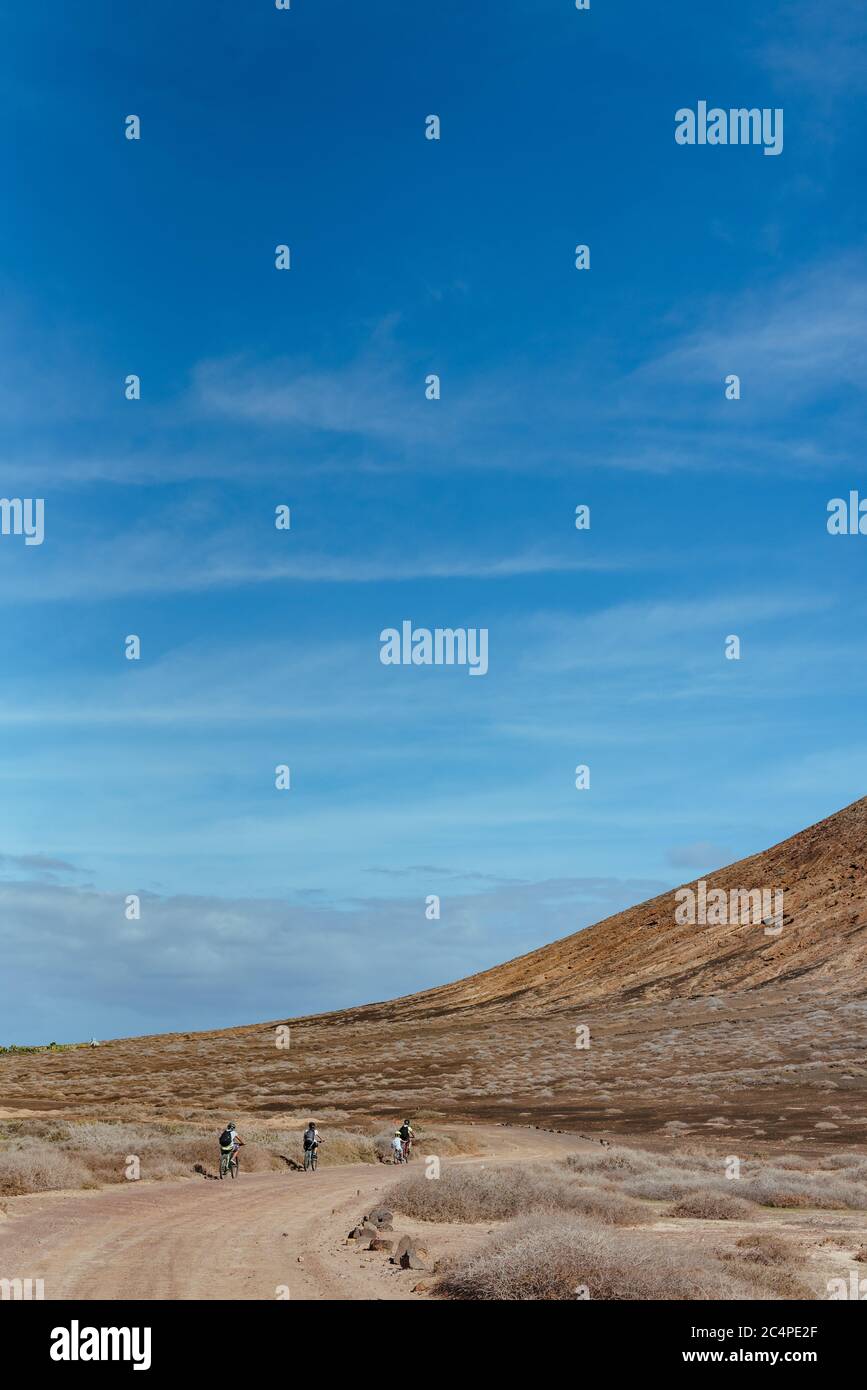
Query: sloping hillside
(644, 954)
(724, 1027)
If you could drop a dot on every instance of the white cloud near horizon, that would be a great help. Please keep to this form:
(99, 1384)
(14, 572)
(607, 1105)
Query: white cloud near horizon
(208, 961)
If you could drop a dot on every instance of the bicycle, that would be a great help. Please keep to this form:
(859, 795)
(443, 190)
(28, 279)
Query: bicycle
(229, 1163)
(310, 1157)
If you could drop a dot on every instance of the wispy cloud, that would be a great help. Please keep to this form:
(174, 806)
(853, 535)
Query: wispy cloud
(164, 557)
(816, 47)
(798, 343)
(40, 867)
(795, 342)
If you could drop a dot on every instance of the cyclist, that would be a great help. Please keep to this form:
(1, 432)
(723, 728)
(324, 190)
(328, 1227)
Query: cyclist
(230, 1143)
(406, 1138)
(397, 1148)
(311, 1139)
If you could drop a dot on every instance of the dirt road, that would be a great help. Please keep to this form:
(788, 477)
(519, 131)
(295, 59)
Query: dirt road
(251, 1238)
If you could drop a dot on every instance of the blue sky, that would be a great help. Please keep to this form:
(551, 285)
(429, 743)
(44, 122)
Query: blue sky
(306, 387)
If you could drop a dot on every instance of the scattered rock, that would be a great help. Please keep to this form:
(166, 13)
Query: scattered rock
(363, 1232)
(411, 1256)
(380, 1216)
(379, 1243)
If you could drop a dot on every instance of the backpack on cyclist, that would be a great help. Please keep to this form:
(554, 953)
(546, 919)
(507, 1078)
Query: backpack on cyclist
(227, 1139)
(405, 1133)
(309, 1138)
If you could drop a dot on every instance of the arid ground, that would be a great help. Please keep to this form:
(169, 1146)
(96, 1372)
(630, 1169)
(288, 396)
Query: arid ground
(705, 1042)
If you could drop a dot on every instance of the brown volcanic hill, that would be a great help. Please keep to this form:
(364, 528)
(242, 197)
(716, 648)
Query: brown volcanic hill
(722, 1029)
(643, 954)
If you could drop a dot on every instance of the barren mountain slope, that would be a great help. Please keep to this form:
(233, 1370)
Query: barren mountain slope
(717, 1029)
(643, 954)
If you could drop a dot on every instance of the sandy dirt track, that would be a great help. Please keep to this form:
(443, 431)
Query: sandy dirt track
(208, 1239)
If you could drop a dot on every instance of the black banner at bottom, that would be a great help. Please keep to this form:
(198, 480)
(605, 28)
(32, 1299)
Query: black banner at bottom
(223, 1338)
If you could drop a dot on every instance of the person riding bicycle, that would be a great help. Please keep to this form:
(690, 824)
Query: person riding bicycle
(397, 1148)
(230, 1143)
(406, 1138)
(311, 1139)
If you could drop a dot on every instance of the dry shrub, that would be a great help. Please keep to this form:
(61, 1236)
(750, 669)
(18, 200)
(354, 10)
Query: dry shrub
(855, 1166)
(496, 1194)
(552, 1257)
(677, 1177)
(30, 1128)
(666, 1186)
(608, 1208)
(651, 1176)
(777, 1187)
(101, 1137)
(619, 1162)
(766, 1248)
(40, 1168)
(771, 1264)
(708, 1205)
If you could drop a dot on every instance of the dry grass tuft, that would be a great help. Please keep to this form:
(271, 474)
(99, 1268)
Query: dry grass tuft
(767, 1248)
(555, 1257)
(777, 1187)
(708, 1205)
(680, 1177)
(497, 1194)
(38, 1168)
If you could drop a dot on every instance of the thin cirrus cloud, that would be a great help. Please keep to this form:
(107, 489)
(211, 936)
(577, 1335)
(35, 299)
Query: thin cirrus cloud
(796, 338)
(644, 634)
(152, 562)
(797, 342)
(365, 397)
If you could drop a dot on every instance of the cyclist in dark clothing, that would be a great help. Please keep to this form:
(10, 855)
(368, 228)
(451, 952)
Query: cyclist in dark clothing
(311, 1139)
